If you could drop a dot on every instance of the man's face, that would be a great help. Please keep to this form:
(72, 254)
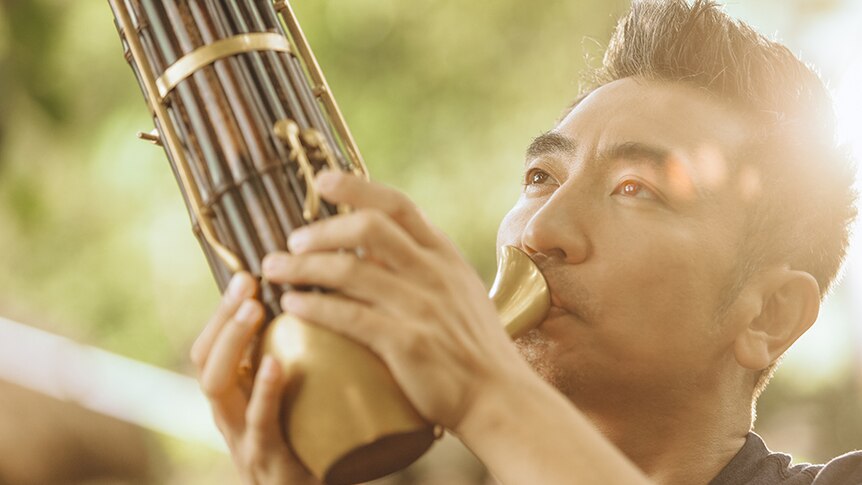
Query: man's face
(634, 214)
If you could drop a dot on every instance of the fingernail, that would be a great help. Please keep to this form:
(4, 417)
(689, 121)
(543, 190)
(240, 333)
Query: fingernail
(289, 300)
(326, 179)
(236, 287)
(298, 240)
(272, 263)
(248, 312)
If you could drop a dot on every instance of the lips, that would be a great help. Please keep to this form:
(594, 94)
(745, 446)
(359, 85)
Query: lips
(556, 311)
(557, 308)
(548, 267)
(555, 300)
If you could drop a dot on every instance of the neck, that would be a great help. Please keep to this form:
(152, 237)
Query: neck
(682, 439)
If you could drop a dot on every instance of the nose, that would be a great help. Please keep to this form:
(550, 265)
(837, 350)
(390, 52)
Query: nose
(557, 229)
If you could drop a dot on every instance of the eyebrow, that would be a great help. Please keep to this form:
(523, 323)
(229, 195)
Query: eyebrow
(553, 143)
(633, 150)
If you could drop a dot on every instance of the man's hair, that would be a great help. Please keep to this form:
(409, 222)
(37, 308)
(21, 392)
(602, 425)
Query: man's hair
(804, 203)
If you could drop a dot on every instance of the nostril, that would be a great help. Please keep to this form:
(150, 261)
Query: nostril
(537, 251)
(558, 231)
(556, 253)
(540, 257)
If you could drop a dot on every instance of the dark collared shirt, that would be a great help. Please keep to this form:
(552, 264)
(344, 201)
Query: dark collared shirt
(756, 465)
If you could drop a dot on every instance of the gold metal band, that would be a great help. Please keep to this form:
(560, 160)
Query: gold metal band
(171, 139)
(206, 55)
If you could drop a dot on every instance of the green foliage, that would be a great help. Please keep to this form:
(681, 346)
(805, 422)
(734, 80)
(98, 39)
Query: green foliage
(442, 96)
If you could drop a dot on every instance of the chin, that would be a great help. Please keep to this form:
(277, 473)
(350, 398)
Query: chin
(538, 350)
(552, 352)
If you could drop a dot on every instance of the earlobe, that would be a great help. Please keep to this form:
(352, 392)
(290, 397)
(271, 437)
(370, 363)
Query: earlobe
(751, 349)
(790, 304)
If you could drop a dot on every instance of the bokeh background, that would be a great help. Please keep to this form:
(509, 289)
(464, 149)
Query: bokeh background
(442, 96)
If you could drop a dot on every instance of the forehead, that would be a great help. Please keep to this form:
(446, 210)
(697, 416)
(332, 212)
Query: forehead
(680, 118)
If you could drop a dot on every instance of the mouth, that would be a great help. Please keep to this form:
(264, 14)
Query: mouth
(558, 306)
(556, 311)
(555, 301)
(551, 270)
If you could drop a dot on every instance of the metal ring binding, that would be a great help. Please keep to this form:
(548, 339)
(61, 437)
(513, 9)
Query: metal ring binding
(206, 55)
(170, 139)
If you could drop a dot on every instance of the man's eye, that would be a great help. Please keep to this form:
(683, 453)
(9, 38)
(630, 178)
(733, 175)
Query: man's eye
(536, 177)
(633, 188)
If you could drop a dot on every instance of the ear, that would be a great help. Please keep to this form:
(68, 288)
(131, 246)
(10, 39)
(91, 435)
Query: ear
(789, 304)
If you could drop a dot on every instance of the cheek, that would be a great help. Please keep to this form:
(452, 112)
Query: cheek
(661, 297)
(513, 224)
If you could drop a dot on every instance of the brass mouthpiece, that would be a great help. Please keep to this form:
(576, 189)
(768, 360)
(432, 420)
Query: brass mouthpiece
(520, 292)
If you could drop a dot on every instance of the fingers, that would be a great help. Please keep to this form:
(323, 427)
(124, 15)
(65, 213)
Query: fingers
(219, 376)
(267, 455)
(241, 286)
(342, 188)
(350, 318)
(380, 239)
(220, 371)
(263, 417)
(250, 424)
(343, 272)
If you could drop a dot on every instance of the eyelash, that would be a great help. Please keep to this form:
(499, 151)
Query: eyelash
(528, 177)
(618, 190)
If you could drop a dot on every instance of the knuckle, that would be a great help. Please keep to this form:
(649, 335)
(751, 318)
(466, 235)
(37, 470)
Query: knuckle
(256, 422)
(305, 269)
(246, 318)
(418, 345)
(255, 450)
(223, 313)
(431, 264)
(245, 458)
(211, 389)
(226, 306)
(356, 322)
(276, 265)
(257, 416)
(256, 458)
(196, 355)
(428, 311)
(436, 282)
(356, 313)
(339, 181)
(295, 268)
(401, 206)
(374, 220)
(346, 269)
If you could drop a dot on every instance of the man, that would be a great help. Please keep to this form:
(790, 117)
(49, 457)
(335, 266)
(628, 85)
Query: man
(689, 212)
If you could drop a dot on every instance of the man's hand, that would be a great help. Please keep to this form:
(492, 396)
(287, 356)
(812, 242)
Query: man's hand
(402, 289)
(250, 425)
